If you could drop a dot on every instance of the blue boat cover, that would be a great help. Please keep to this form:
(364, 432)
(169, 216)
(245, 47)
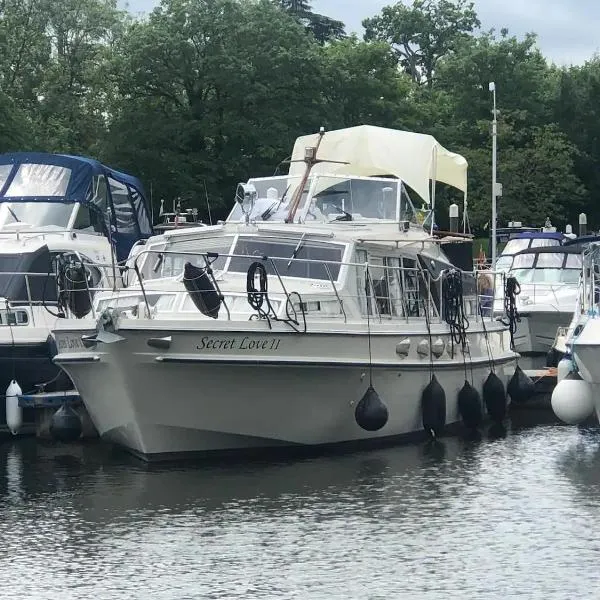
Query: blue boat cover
(43, 177)
(77, 188)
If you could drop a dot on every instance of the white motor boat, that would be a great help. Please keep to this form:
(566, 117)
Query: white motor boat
(60, 216)
(319, 313)
(549, 280)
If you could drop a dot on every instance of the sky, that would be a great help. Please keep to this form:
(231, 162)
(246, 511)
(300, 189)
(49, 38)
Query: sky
(567, 29)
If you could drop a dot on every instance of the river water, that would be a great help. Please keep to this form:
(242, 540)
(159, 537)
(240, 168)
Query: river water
(509, 517)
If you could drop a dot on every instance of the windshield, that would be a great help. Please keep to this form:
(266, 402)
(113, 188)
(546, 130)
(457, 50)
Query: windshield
(544, 242)
(548, 276)
(36, 214)
(282, 250)
(157, 263)
(503, 263)
(340, 198)
(516, 245)
(331, 199)
(273, 196)
(39, 180)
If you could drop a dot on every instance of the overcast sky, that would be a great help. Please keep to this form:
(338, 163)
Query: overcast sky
(567, 29)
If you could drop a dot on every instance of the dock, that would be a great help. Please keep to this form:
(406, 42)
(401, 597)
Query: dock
(545, 381)
(46, 404)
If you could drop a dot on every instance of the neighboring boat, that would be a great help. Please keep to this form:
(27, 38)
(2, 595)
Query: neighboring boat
(64, 217)
(319, 313)
(524, 241)
(178, 218)
(548, 278)
(577, 393)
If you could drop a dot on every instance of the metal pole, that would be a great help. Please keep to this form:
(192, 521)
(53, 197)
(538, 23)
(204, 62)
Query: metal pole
(494, 209)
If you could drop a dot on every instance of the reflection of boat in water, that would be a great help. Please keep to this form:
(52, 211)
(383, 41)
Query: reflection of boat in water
(101, 484)
(580, 462)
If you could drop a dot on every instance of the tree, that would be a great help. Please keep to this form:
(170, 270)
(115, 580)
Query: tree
(577, 113)
(364, 85)
(422, 34)
(322, 27)
(227, 87)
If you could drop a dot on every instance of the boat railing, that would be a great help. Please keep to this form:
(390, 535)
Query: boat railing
(41, 290)
(590, 284)
(385, 292)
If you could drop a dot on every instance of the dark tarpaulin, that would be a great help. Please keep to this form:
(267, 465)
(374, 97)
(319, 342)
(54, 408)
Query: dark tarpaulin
(460, 254)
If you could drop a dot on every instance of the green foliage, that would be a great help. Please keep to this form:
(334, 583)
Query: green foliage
(204, 93)
(422, 34)
(324, 28)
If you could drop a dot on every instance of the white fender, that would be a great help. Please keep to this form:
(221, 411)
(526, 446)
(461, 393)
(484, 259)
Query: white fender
(14, 413)
(572, 400)
(565, 366)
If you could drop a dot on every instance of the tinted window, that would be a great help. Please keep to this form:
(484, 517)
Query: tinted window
(544, 242)
(4, 173)
(39, 180)
(523, 261)
(282, 250)
(140, 211)
(550, 260)
(124, 215)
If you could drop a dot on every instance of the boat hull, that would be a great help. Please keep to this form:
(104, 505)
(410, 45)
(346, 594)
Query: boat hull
(536, 334)
(219, 392)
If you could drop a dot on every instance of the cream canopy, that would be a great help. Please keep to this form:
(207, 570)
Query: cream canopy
(414, 158)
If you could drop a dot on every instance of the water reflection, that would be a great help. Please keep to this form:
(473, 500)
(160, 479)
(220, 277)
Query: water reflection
(451, 519)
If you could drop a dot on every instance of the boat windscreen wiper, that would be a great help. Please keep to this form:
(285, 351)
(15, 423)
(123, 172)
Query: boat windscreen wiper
(12, 212)
(297, 249)
(275, 206)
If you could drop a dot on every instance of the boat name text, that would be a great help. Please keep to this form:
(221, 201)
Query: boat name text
(246, 343)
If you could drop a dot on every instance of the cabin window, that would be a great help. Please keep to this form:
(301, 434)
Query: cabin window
(281, 251)
(100, 193)
(379, 288)
(124, 214)
(156, 264)
(544, 242)
(394, 288)
(39, 180)
(411, 293)
(4, 173)
(140, 211)
(550, 260)
(574, 261)
(523, 261)
(361, 281)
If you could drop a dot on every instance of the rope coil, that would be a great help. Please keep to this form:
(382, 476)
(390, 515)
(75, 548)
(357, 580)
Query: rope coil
(258, 299)
(454, 310)
(511, 290)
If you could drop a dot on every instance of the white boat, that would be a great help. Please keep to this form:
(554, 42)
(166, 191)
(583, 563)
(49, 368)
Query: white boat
(548, 278)
(325, 311)
(57, 213)
(577, 393)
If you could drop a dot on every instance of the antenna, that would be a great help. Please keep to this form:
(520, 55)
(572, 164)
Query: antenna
(207, 202)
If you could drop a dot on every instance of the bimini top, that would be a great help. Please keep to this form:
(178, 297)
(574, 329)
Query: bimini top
(370, 151)
(31, 176)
